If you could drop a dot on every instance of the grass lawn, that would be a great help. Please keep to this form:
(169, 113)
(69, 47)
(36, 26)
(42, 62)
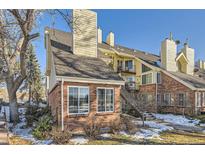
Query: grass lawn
(201, 118)
(169, 137)
(15, 140)
(174, 137)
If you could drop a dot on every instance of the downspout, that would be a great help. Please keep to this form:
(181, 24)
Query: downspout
(62, 111)
(156, 96)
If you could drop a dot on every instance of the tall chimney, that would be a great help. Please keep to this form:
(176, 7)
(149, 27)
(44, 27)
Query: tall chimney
(168, 54)
(203, 65)
(189, 53)
(99, 35)
(85, 32)
(110, 39)
(200, 64)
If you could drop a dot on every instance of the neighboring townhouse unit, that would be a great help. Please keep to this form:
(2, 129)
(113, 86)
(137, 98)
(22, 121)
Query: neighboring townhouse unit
(169, 83)
(81, 87)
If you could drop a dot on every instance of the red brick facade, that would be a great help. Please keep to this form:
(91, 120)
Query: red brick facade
(173, 87)
(76, 121)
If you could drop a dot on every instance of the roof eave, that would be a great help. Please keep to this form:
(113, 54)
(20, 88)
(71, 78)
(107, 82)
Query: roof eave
(89, 80)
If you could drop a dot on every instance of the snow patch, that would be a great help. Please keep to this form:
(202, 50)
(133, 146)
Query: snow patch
(160, 127)
(177, 119)
(146, 134)
(79, 140)
(5, 110)
(202, 125)
(106, 135)
(26, 133)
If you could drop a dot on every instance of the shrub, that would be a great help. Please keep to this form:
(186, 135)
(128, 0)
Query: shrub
(43, 126)
(33, 113)
(115, 127)
(60, 137)
(92, 129)
(129, 125)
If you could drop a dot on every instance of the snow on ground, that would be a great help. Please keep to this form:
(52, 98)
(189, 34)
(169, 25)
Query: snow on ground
(5, 110)
(177, 119)
(151, 130)
(106, 135)
(26, 133)
(79, 140)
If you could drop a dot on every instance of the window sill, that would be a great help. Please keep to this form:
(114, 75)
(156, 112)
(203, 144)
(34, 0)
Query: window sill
(77, 115)
(105, 113)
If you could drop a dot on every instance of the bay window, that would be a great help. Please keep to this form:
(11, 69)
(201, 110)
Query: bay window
(78, 100)
(105, 99)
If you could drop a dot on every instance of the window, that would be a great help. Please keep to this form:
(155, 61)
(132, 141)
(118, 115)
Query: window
(182, 99)
(128, 65)
(78, 100)
(198, 99)
(203, 99)
(158, 98)
(148, 98)
(147, 78)
(158, 77)
(167, 99)
(145, 68)
(105, 100)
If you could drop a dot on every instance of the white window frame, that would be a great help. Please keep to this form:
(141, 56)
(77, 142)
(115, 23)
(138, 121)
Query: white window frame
(170, 99)
(185, 98)
(105, 100)
(160, 77)
(203, 99)
(78, 100)
(146, 73)
(198, 99)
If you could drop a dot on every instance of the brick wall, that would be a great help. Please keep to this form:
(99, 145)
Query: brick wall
(54, 99)
(170, 85)
(149, 89)
(72, 122)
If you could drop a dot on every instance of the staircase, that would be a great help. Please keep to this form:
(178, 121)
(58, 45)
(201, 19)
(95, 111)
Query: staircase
(131, 100)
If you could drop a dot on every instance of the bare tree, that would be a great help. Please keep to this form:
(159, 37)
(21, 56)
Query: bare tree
(16, 33)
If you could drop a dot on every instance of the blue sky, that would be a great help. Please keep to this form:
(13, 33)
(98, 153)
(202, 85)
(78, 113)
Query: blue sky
(139, 29)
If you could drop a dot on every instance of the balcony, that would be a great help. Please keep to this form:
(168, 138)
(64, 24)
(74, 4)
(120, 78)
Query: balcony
(125, 69)
(131, 85)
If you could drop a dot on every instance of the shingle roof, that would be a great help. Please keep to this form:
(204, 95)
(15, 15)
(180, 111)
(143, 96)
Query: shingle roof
(199, 72)
(190, 79)
(133, 52)
(70, 65)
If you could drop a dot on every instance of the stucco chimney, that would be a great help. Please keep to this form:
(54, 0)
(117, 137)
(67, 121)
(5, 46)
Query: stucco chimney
(110, 39)
(99, 35)
(189, 53)
(200, 63)
(203, 65)
(168, 54)
(85, 32)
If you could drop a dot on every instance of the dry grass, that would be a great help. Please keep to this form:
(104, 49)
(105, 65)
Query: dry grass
(16, 140)
(179, 138)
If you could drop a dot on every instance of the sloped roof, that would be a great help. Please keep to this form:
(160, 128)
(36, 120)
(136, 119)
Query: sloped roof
(132, 52)
(193, 80)
(70, 65)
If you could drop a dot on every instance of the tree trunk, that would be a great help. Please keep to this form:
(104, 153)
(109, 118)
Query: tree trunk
(13, 107)
(12, 102)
